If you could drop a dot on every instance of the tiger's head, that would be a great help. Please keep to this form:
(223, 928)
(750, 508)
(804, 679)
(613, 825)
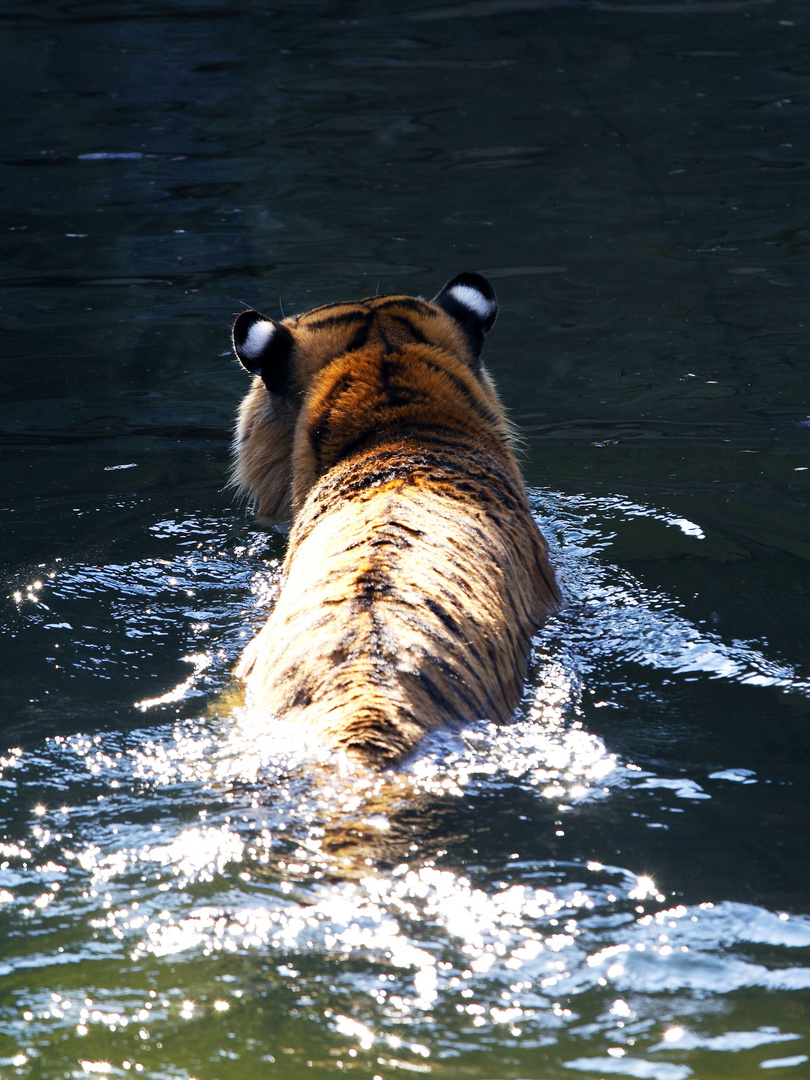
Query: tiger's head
(321, 381)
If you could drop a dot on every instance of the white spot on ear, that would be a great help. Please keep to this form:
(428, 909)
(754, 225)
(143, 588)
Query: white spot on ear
(257, 340)
(473, 300)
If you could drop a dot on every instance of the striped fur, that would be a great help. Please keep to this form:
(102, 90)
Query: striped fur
(415, 574)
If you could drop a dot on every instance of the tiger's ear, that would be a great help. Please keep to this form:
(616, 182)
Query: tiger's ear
(470, 300)
(264, 347)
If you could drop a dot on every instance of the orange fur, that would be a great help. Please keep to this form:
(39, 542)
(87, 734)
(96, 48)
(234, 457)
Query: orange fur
(415, 574)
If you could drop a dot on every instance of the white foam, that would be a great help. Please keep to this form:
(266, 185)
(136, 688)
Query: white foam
(473, 300)
(258, 337)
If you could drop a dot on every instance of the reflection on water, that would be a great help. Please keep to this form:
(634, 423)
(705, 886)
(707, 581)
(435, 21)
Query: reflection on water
(241, 890)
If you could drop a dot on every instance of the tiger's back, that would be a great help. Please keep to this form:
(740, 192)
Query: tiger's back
(415, 574)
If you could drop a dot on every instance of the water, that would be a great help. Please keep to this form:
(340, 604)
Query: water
(614, 885)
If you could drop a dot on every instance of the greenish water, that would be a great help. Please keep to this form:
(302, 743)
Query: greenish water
(617, 883)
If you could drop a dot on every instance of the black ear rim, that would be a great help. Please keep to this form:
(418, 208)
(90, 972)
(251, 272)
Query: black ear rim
(242, 325)
(269, 359)
(476, 323)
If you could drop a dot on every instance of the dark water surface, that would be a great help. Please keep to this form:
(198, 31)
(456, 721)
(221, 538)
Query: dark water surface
(615, 885)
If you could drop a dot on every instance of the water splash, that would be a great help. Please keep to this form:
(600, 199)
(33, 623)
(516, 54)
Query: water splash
(204, 849)
(611, 617)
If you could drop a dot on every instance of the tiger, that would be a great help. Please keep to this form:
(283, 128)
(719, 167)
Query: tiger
(415, 574)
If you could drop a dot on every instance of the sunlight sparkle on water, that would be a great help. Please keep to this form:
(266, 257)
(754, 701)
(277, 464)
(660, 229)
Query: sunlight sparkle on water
(202, 848)
(517, 930)
(547, 748)
(621, 1008)
(200, 661)
(644, 887)
(354, 1029)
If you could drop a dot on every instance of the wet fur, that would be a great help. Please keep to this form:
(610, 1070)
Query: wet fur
(415, 574)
